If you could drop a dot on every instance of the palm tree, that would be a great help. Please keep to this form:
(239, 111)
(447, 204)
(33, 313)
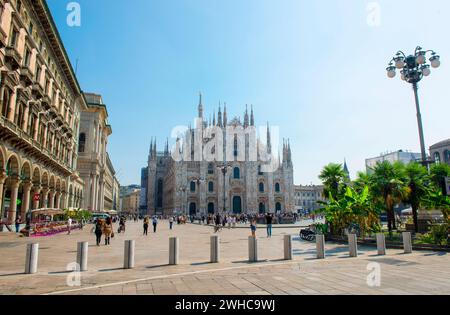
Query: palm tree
(332, 176)
(416, 180)
(362, 180)
(388, 183)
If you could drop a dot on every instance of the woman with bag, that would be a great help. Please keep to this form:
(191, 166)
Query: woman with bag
(107, 230)
(98, 230)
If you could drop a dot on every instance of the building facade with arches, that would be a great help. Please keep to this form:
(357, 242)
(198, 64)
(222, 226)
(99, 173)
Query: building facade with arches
(40, 106)
(196, 187)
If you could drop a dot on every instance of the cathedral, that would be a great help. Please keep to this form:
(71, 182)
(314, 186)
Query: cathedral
(220, 166)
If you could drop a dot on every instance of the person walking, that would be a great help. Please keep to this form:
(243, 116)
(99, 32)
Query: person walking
(155, 223)
(107, 230)
(171, 222)
(146, 222)
(122, 225)
(253, 227)
(229, 222)
(18, 222)
(217, 222)
(69, 225)
(269, 219)
(98, 231)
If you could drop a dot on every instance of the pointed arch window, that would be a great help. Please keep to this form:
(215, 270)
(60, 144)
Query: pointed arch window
(277, 187)
(236, 173)
(211, 169)
(211, 186)
(82, 143)
(192, 186)
(261, 187)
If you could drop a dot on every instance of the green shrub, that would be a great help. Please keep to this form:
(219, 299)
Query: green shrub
(440, 234)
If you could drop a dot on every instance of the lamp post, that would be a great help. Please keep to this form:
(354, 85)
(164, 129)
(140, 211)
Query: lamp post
(412, 69)
(224, 169)
(199, 181)
(183, 190)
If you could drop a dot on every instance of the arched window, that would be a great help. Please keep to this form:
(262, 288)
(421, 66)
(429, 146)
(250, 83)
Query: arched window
(277, 187)
(82, 143)
(278, 206)
(447, 156)
(237, 173)
(211, 187)
(5, 103)
(192, 186)
(437, 157)
(261, 187)
(210, 168)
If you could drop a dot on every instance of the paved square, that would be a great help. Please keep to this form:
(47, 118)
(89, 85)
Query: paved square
(416, 273)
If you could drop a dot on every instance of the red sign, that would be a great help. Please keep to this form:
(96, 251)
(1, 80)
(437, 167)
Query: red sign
(36, 197)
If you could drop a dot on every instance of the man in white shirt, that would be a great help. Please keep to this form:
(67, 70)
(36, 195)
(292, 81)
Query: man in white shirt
(69, 225)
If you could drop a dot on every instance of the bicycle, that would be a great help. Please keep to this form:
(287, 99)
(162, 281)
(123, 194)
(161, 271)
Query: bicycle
(307, 235)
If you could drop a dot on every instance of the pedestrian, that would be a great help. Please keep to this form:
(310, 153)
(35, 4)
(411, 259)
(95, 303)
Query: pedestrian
(18, 222)
(155, 223)
(98, 231)
(69, 225)
(253, 227)
(269, 219)
(233, 221)
(229, 222)
(171, 222)
(146, 222)
(217, 222)
(107, 230)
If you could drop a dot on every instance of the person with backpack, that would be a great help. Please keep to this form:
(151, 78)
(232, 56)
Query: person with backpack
(171, 222)
(146, 222)
(98, 231)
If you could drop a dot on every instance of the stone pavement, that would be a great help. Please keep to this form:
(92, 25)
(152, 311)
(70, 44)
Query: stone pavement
(417, 273)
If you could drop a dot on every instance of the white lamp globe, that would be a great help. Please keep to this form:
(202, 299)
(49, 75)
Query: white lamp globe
(391, 74)
(435, 61)
(421, 58)
(399, 62)
(426, 71)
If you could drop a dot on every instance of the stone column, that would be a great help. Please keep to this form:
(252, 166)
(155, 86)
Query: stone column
(25, 118)
(51, 196)
(2, 182)
(36, 128)
(44, 202)
(57, 201)
(64, 203)
(36, 190)
(13, 203)
(25, 199)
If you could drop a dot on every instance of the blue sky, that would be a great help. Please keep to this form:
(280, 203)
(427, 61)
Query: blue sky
(316, 69)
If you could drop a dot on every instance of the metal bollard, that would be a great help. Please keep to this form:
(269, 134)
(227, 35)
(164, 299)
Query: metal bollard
(320, 246)
(252, 249)
(128, 262)
(407, 243)
(31, 262)
(215, 249)
(352, 245)
(173, 250)
(82, 255)
(288, 247)
(381, 244)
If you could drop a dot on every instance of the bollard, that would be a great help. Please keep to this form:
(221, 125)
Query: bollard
(82, 255)
(352, 245)
(252, 249)
(407, 243)
(381, 244)
(128, 262)
(31, 262)
(320, 246)
(215, 249)
(288, 247)
(173, 250)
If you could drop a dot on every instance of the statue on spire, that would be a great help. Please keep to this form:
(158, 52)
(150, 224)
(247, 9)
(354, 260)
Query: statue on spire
(200, 107)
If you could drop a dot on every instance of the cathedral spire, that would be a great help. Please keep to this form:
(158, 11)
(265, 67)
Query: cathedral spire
(214, 118)
(219, 116)
(269, 141)
(200, 107)
(225, 116)
(252, 118)
(246, 122)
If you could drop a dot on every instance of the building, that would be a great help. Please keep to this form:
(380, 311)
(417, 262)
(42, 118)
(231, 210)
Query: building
(92, 156)
(111, 186)
(143, 199)
(440, 152)
(116, 195)
(402, 156)
(130, 203)
(194, 185)
(307, 197)
(40, 106)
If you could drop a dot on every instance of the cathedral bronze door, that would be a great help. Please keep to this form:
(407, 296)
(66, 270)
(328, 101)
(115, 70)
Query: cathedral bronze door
(237, 205)
(192, 208)
(211, 209)
(262, 208)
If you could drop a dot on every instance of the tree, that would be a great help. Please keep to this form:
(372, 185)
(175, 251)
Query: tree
(417, 183)
(438, 173)
(362, 180)
(333, 177)
(388, 184)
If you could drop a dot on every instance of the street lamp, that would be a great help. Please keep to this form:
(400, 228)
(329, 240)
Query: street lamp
(412, 69)
(183, 190)
(224, 169)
